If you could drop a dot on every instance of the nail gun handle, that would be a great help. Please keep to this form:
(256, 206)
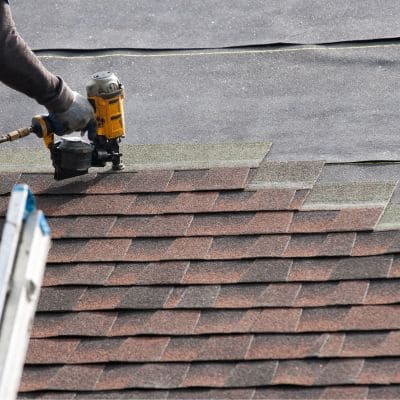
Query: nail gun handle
(42, 127)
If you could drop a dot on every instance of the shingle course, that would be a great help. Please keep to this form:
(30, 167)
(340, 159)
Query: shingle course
(188, 322)
(213, 348)
(227, 374)
(305, 295)
(222, 271)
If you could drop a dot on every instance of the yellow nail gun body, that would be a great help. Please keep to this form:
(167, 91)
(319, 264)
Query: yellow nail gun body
(73, 156)
(106, 94)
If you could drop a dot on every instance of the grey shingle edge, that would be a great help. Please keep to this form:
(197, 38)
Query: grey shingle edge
(349, 195)
(390, 218)
(286, 175)
(154, 156)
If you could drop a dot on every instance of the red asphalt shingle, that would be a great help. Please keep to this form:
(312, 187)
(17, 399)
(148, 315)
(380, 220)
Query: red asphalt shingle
(227, 374)
(183, 284)
(213, 348)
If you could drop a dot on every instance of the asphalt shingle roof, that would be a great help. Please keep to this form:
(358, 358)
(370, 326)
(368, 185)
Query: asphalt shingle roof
(215, 283)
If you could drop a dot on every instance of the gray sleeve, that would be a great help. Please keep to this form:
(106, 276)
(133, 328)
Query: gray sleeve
(21, 70)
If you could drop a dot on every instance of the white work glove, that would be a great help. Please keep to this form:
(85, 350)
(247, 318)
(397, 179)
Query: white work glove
(78, 117)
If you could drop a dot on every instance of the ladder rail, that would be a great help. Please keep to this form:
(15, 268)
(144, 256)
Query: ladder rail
(16, 212)
(23, 288)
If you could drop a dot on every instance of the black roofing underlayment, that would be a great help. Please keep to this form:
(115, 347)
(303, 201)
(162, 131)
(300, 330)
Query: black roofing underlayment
(313, 103)
(94, 24)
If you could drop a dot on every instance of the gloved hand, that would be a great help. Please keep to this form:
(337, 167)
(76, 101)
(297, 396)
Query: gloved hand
(78, 117)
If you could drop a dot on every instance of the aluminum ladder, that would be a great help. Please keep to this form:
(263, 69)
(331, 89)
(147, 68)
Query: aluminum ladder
(24, 248)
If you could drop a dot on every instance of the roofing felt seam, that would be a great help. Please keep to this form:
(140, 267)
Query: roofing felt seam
(187, 24)
(217, 52)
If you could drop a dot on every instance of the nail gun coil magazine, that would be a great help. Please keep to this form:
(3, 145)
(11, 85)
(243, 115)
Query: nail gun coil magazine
(71, 157)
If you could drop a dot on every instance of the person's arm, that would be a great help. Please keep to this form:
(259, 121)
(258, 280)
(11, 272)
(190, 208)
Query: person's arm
(22, 70)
